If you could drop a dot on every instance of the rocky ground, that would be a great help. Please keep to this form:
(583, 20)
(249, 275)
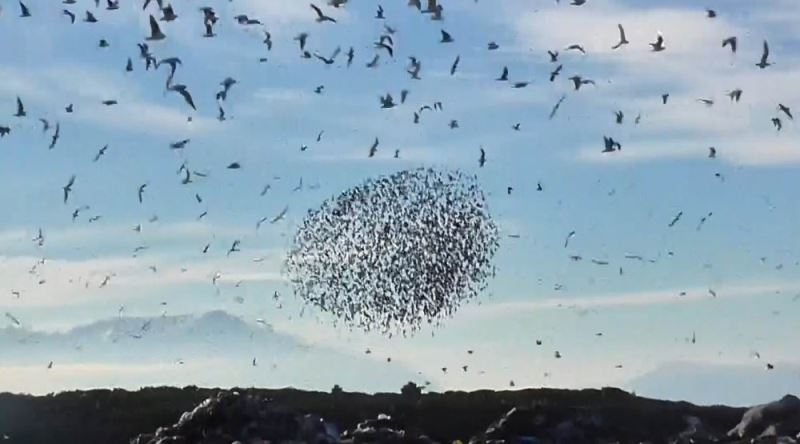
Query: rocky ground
(249, 416)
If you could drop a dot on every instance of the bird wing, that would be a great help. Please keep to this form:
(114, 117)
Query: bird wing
(316, 9)
(621, 33)
(154, 28)
(188, 98)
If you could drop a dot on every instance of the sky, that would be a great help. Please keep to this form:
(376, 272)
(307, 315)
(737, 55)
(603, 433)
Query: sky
(629, 323)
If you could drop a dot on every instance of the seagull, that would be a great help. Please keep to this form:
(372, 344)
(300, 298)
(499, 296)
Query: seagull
(492, 46)
(141, 191)
(129, 65)
(710, 13)
(24, 11)
(675, 219)
(179, 144)
(302, 38)
(446, 37)
(504, 76)
(735, 94)
(658, 46)
(732, 42)
(155, 30)
(622, 39)
(168, 14)
(280, 215)
(181, 89)
(664, 98)
(553, 56)
(455, 65)
(776, 121)
(109, 102)
(482, 158)
(763, 63)
(320, 16)
(100, 153)
(173, 63)
(90, 18)
(578, 81)
(379, 13)
(786, 110)
(387, 101)
(70, 14)
(575, 47)
(556, 72)
(712, 152)
(268, 40)
(4, 130)
(20, 109)
(226, 86)
(374, 148)
(619, 116)
(243, 19)
(556, 107)
(234, 166)
(68, 188)
(610, 145)
(56, 136)
(234, 247)
(45, 125)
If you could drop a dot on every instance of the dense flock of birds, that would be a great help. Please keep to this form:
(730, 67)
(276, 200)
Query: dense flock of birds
(398, 251)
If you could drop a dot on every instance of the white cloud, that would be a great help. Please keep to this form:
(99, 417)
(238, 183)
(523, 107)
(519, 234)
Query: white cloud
(637, 298)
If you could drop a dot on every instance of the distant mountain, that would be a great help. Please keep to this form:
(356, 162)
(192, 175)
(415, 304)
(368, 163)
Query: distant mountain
(704, 383)
(212, 349)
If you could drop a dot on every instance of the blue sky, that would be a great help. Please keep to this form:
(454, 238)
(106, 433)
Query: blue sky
(618, 204)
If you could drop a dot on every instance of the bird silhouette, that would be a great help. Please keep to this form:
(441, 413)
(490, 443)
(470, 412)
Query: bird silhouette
(155, 30)
(622, 39)
(320, 16)
(763, 63)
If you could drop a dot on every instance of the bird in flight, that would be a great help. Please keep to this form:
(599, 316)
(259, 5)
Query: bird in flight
(234, 247)
(181, 89)
(155, 30)
(785, 109)
(141, 191)
(24, 11)
(70, 14)
(320, 16)
(735, 94)
(658, 45)
(504, 75)
(68, 188)
(56, 136)
(280, 215)
(20, 109)
(482, 158)
(622, 39)
(732, 42)
(374, 148)
(763, 63)
(575, 47)
(446, 37)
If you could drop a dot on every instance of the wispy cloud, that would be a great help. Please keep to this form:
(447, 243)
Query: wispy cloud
(628, 299)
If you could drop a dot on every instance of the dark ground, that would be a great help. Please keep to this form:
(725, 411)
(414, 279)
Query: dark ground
(115, 416)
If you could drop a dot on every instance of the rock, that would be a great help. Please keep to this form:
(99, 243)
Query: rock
(232, 417)
(383, 429)
(771, 420)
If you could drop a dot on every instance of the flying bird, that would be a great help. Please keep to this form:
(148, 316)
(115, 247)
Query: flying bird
(446, 37)
(675, 219)
(570, 235)
(56, 136)
(374, 148)
(658, 45)
(20, 109)
(454, 66)
(735, 94)
(70, 14)
(280, 215)
(320, 16)
(776, 121)
(68, 188)
(732, 42)
(155, 30)
(763, 63)
(482, 158)
(90, 18)
(786, 110)
(575, 47)
(712, 152)
(100, 153)
(181, 89)
(141, 191)
(24, 11)
(168, 14)
(553, 56)
(504, 75)
(234, 247)
(622, 39)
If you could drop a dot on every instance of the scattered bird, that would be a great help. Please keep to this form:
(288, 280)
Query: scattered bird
(155, 30)
(622, 39)
(785, 109)
(658, 46)
(735, 95)
(575, 47)
(20, 109)
(776, 122)
(320, 16)
(56, 136)
(712, 152)
(374, 148)
(446, 37)
(482, 158)
(504, 75)
(24, 11)
(68, 188)
(763, 63)
(732, 42)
